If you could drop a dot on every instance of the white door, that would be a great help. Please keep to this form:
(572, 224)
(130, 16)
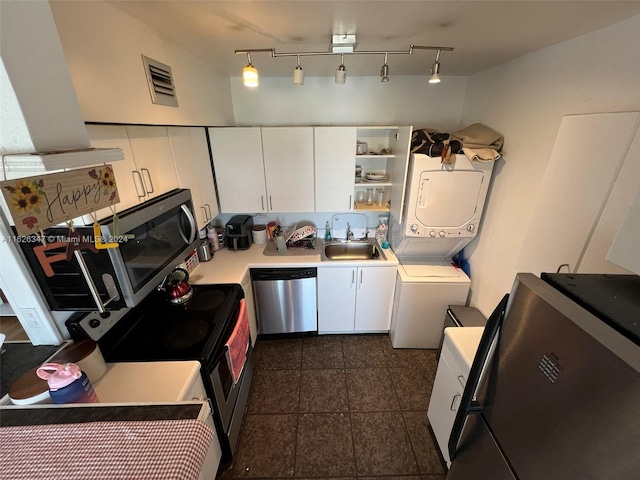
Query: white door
(204, 172)
(180, 140)
(152, 152)
(335, 150)
(288, 166)
(374, 299)
(130, 188)
(239, 169)
(336, 299)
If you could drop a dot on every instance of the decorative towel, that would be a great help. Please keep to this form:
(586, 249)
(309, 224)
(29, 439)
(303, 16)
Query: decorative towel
(238, 343)
(142, 450)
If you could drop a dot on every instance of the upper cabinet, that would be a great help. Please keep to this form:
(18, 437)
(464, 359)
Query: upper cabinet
(264, 169)
(335, 150)
(382, 160)
(239, 169)
(193, 169)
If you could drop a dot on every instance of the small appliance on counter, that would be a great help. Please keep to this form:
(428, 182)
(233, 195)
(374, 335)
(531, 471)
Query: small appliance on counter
(238, 231)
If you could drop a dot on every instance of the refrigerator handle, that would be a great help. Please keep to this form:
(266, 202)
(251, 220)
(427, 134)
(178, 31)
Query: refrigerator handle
(467, 405)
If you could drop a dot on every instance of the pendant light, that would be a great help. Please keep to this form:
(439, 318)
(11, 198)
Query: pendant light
(341, 72)
(435, 70)
(298, 74)
(250, 74)
(384, 71)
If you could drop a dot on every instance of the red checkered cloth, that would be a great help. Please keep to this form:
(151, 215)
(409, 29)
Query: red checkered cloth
(164, 449)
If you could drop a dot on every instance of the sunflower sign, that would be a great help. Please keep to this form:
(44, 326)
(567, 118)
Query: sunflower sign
(39, 202)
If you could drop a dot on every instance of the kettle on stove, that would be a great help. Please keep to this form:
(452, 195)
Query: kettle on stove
(176, 286)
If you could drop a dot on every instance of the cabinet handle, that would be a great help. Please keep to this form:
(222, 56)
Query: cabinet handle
(454, 407)
(149, 190)
(262, 201)
(209, 210)
(462, 380)
(350, 204)
(135, 174)
(353, 277)
(270, 203)
(206, 217)
(361, 278)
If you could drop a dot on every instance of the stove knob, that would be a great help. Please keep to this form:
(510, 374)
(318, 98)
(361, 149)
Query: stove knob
(471, 227)
(432, 233)
(414, 228)
(94, 323)
(441, 233)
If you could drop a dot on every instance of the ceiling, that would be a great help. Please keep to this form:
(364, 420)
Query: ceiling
(483, 33)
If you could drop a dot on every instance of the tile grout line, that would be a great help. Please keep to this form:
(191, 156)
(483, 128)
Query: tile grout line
(346, 386)
(295, 443)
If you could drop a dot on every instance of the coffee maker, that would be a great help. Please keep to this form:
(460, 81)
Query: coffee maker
(238, 231)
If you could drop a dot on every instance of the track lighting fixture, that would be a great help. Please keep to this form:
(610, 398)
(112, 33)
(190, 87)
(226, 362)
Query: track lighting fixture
(435, 70)
(342, 45)
(341, 72)
(298, 74)
(384, 71)
(250, 74)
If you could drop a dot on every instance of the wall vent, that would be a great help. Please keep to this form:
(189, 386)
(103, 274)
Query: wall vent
(160, 82)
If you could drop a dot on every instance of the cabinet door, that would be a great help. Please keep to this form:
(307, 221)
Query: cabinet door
(336, 299)
(374, 299)
(399, 172)
(204, 171)
(288, 166)
(443, 405)
(335, 150)
(130, 188)
(182, 151)
(152, 152)
(239, 169)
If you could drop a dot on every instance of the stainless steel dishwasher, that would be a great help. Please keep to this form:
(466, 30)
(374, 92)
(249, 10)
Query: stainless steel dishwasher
(286, 299)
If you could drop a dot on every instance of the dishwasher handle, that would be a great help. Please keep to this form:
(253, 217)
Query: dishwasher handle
(270, 274)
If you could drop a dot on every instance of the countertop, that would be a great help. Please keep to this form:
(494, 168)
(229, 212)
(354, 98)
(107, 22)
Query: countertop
(228, 266)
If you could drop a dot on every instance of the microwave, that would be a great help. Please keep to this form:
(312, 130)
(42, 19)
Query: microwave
(152, 239)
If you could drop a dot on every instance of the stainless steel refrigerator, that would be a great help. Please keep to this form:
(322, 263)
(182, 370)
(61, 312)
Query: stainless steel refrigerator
(554, 390)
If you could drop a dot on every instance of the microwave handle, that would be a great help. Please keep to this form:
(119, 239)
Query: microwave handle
(192, 223)
(92, 286)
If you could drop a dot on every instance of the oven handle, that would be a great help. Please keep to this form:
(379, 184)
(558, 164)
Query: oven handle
(192, 224)
(92, 286)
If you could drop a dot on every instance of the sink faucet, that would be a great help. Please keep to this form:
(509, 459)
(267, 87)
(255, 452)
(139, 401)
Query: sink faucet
(349, 232)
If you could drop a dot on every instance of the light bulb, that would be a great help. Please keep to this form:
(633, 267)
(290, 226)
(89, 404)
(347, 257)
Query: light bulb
(250, 76)
(341, 74)
(435, 73)
(298, 75)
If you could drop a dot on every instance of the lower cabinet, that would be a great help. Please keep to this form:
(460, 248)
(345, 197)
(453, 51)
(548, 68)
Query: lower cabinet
(355, 299)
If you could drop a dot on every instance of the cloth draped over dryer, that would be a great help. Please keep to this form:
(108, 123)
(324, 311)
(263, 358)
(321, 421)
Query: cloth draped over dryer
(477, 142)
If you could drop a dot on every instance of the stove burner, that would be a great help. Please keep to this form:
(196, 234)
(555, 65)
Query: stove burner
(206, 300)
(185, 334)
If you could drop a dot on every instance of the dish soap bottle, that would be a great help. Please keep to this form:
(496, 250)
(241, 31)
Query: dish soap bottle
(381, 232)
(327, 232)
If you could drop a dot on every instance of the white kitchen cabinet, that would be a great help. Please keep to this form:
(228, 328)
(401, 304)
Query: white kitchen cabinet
(458, 350)
(193, 170)
(154, 160)
(288, 167)
(335, 148)
(239, 169)
(355, 299)
(264, 169)
(396, 141)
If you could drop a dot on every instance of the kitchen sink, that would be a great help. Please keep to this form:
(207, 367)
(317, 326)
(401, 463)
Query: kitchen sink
(351, 250)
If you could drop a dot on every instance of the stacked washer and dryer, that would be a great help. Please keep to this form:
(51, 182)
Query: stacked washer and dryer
(441, 214)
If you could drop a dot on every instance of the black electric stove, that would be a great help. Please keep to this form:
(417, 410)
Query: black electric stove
(157, 330)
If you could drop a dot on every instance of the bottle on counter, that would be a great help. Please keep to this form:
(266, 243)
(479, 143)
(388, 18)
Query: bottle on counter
(327, 232)
(381, 232)
(212, 235)
(67, 383)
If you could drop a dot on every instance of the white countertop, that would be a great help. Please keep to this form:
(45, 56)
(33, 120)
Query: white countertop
(228, 266)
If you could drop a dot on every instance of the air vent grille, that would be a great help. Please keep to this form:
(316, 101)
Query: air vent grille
(160, 82)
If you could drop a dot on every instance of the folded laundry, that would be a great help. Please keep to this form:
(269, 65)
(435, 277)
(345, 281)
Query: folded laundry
(480, 143)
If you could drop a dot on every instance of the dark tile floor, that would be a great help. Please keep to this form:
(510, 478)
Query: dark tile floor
(345, 406)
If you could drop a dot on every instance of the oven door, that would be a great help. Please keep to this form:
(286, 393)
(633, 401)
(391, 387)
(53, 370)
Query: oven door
(154, 238)
(231, 397)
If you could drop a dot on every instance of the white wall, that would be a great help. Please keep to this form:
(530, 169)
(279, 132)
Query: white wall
(405, 100)
(103, 47)
(525, 100)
